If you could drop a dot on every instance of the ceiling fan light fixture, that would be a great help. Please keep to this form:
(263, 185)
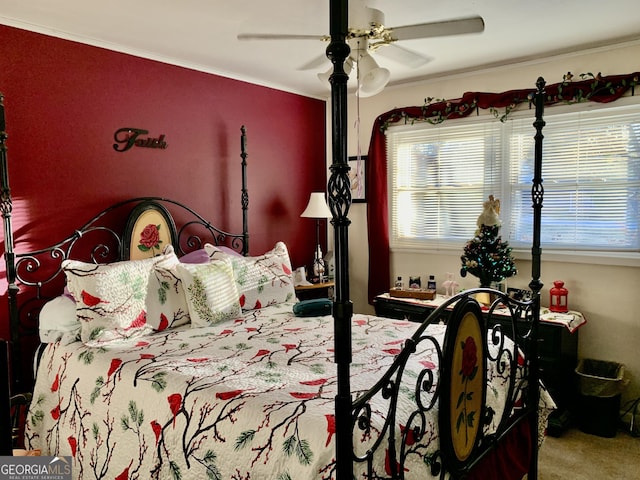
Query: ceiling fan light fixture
(324, 76)
(368, 33)
(373, 78)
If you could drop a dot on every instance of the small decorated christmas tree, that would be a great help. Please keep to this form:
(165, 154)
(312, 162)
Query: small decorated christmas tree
(486, 256)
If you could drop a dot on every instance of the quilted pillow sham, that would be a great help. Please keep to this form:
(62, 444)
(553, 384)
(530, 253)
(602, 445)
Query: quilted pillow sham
(261, 281)
(211, 293)
(166, 303)
(110, 298)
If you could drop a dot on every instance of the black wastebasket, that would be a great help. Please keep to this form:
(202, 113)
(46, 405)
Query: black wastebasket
(601, 384)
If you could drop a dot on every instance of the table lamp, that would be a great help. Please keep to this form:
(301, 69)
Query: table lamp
(317, 208)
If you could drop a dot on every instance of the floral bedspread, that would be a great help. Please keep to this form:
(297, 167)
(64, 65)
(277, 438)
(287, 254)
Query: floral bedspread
(251, 399)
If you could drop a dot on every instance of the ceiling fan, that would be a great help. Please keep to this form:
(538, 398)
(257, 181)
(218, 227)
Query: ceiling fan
(370, 35)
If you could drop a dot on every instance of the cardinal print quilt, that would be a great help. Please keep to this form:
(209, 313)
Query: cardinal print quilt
(251, 398)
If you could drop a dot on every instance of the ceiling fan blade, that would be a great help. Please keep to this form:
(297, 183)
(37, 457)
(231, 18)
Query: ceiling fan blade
(402, 55)
(315, 63)
(438, 29)
(278, 36)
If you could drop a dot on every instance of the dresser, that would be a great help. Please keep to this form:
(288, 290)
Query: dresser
(558, 350)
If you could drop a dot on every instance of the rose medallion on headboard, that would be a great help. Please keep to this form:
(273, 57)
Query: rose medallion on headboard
(150, 228)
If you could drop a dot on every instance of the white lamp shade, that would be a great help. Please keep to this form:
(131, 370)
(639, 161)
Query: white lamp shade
(317, 207)
(373, 79)
(324, 77)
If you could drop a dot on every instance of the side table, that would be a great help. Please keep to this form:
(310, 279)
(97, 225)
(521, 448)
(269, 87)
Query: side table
(315, 290)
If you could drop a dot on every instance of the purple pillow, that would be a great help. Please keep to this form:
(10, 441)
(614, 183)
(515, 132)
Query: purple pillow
(195, 257)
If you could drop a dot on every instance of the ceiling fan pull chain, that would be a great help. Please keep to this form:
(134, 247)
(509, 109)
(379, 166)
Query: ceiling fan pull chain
(354, 175)
(357, 125)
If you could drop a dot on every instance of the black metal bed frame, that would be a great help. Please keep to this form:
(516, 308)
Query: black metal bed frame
(352, 417)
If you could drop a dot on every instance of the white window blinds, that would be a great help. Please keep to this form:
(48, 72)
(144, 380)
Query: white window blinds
(436, 178)
(440, 175)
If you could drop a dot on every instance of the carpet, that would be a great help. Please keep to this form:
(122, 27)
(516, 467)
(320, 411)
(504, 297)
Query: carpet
(580, 456)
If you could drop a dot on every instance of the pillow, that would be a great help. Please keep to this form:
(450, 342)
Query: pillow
(58, 321)
(261, 281)
(201, 255)
(166, 303)
(210, 291)
(67, 293)
(197, 256)
(315, 307)
(110, 298)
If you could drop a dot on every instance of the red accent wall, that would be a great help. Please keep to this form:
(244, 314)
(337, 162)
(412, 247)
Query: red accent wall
(65, 100)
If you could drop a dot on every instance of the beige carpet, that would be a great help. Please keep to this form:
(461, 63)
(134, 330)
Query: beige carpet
(581, 456)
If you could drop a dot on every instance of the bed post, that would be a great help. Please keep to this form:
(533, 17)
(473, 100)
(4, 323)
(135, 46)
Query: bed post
(6, 207)
(245, 192)
(339, 203)
(537, 194)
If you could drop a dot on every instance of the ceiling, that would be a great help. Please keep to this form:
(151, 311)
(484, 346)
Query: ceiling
(202, 34)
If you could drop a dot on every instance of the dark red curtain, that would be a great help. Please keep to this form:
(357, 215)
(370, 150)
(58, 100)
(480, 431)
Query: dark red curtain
(595, 88)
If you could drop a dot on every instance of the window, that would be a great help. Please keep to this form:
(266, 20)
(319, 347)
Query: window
(439, 176)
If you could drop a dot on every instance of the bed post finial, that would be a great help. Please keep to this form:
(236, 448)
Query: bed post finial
(339, 202)
(245, 192)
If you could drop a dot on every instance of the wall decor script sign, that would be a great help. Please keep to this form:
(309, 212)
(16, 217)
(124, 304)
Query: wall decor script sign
(130, 137)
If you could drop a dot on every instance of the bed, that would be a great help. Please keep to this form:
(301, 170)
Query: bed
(173, 353)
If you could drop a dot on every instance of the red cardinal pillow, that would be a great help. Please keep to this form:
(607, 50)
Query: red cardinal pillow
(262, 281)
(110, 298)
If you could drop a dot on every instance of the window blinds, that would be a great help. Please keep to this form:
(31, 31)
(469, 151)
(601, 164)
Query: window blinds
(440, 175)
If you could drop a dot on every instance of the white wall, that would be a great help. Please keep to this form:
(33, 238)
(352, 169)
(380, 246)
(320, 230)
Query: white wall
(609, 296)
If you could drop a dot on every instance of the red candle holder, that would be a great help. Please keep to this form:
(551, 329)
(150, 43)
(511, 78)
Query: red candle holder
(558, 301)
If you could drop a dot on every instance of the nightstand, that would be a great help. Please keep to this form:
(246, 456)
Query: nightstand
(557, 350)
(315, 290)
